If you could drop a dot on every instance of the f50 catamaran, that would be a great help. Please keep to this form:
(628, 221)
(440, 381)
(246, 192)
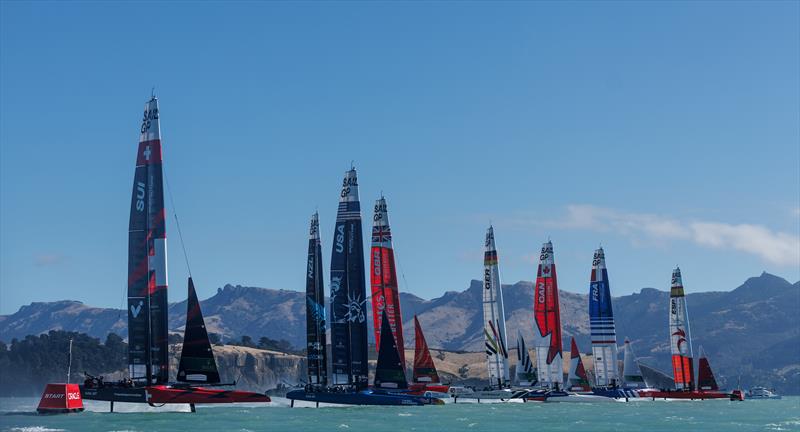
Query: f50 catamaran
(604, 337)
(349, 377)
(494, 330)
(682, 358)
(148, 349)
(547, 336)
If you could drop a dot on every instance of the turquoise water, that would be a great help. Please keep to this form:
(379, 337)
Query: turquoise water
(755, 415)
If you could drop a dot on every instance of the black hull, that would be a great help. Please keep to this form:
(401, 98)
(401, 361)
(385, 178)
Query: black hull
(115, 394)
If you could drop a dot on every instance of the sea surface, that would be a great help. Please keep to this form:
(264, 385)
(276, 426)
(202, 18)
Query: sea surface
(752, 415)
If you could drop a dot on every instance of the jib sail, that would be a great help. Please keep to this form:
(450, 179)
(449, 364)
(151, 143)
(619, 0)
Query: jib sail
(631, 372)
(526, 373)
(578, 381)
(389, 371)
(197, 364)
(705, 379)
(424, 369)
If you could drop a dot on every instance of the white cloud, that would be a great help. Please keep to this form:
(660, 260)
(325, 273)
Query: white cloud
(48, 259)
(771, 246)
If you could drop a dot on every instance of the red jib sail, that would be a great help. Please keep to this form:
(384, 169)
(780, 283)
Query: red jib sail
(383, 278)
(578, 380)
(424, 369)
(705, 379)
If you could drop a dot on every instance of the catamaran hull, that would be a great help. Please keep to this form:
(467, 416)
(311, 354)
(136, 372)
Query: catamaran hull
(562, 396)
(163, 394)
(365, 397)
(434, 391)
(688, 395)
(621, 394)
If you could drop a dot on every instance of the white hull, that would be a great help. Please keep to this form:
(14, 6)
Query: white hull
(581, 398)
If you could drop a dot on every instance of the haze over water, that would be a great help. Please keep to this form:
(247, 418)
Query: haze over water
(751, 415)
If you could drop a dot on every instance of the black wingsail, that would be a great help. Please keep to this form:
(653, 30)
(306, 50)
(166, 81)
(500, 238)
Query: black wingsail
(197, 363)
(389, 371)
(315, 309)
(348, 291)
(147, 259)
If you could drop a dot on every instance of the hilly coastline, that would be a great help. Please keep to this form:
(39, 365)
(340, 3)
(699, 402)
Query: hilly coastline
(750, 332)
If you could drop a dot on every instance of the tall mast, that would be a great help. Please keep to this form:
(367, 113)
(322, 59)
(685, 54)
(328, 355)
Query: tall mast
(348, 290)
(547, 322)
(680, 335)
(315, 308)
(601, 323)
(494, 321)
(148, 355)
(383, 280)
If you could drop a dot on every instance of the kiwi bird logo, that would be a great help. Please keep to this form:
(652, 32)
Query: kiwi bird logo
(681, 337)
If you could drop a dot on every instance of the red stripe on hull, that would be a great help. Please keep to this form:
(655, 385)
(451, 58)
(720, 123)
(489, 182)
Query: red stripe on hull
(684, 394)
(200, 395)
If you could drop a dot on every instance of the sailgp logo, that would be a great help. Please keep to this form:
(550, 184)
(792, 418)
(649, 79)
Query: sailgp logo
(135, 310)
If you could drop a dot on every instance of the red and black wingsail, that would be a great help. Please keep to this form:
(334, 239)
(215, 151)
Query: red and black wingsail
(148, 355)
(197, 364)
(389, 372)
(383, 279)
(424, 369)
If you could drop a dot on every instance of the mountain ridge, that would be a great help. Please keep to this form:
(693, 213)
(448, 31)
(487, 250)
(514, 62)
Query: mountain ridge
(751, 330)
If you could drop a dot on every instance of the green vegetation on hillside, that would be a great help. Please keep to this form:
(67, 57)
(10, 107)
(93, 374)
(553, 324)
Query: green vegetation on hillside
(27, 365)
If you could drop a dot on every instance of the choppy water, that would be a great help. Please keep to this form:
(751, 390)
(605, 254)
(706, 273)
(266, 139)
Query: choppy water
(754, 415)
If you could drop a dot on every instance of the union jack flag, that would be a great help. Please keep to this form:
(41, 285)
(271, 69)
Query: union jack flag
(381, 234)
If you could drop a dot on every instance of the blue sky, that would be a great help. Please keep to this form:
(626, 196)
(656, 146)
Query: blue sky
(667, 131)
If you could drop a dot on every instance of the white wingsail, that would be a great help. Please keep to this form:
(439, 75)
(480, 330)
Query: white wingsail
(494, 322)
(680, 335)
